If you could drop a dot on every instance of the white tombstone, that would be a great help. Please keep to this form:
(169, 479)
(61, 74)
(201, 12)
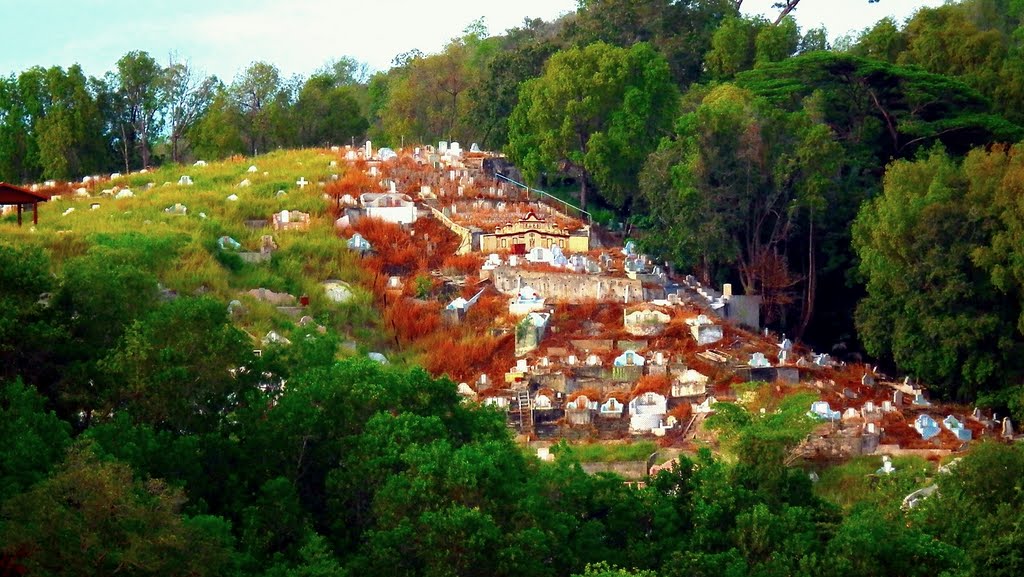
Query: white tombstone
(521, 366)
(368, 150)
(253, 169)
(302, 182)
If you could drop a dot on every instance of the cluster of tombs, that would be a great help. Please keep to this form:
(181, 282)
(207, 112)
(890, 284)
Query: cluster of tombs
(543, 255)
(562, 389)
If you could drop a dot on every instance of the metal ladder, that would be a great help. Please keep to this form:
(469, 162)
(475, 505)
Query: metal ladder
(525, 411)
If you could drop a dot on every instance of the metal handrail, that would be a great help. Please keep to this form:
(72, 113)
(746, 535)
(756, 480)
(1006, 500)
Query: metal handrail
(590, 218)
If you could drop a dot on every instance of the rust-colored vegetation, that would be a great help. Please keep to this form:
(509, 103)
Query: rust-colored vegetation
(660, 384)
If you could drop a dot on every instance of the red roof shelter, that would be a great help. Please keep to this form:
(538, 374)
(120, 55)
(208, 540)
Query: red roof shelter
(16, 195)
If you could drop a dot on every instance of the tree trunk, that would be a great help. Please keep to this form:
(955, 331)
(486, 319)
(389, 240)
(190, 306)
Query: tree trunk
(812, 281)
(124, 147)
(583, 190)
(144, 149)
(787, 7)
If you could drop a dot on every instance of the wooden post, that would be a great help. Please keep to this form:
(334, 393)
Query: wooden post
(35, 214)
(19, 214)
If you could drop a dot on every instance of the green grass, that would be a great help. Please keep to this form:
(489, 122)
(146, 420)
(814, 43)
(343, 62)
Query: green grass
(856, 481)
(607, 452)
(181, 251)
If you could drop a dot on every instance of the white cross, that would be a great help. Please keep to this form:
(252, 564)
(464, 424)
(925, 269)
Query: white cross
(302, 182)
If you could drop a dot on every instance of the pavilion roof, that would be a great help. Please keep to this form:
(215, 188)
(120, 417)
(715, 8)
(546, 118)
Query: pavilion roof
(10, 194)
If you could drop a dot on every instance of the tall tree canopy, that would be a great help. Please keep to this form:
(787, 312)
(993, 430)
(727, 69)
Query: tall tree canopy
(943, 298)
(596, 112)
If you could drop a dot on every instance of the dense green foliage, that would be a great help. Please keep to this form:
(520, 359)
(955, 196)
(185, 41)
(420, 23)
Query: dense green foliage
(596, 112)
(139, 435)
(356, 468)
(938, 250)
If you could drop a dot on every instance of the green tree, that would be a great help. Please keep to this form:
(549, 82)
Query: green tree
(596, 112)
(177, 367)
(870, 544)
(733, 47)
(188, 96)
(218, 132)
(883, 41)
(253, 94)
(327, 112)
(140, 92)
(429, 96)
(680, 31)
(525, 50)
(931, 305)
(775, 43)
(734, 186)
(32, 440)
(92, 517)
(604, 569)
(979, 507)
(25, 281)
(16, 142)
(53, 122)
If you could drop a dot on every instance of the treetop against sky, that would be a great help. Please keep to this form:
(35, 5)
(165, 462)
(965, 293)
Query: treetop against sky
(223, 37)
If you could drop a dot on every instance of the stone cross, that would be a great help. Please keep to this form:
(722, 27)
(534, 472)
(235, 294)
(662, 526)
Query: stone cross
(302, 182)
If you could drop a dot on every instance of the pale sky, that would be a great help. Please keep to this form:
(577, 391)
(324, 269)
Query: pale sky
(222, 37)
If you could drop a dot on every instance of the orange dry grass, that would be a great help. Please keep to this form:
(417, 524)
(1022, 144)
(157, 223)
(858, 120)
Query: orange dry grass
(412, 321)
(465, 359)
(353, 183)
(461, 264)
(394, 250)
(589, 392)
(483, 314)
(660, 384)
(443, 242)
(682, 412)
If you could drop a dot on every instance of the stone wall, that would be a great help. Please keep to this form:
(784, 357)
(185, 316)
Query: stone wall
(629, 470)
(570, 287)
(255, 257)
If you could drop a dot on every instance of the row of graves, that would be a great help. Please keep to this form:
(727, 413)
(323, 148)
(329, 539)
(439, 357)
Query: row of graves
(598, 385)
(575, 392)
(874, 415)
(592, 386)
